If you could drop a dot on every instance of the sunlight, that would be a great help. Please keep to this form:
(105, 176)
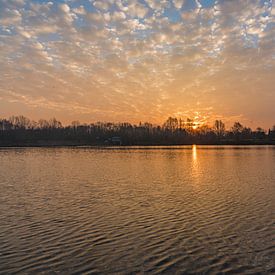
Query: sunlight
(196, 175)
(196, 125)
(194, 152)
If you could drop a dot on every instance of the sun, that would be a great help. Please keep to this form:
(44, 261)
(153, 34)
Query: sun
(195, 125)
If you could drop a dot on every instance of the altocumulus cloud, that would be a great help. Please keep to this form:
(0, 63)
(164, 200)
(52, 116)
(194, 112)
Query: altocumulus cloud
(138, 60)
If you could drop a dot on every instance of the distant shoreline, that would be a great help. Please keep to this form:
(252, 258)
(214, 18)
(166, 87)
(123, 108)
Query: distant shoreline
(19, 131)
(8, 146)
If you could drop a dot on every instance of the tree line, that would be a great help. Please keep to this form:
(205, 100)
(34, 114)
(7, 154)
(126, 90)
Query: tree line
(21, 131)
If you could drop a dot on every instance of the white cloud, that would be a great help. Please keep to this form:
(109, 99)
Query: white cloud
(101, 5)
(157, 5)
(24, 33)
(118, 16)
(178, 3)
(10, 17)
(80, 10)
(135, 9)
(65, 8)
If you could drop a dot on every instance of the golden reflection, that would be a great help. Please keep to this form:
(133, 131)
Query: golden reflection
(195, 167)
(194, 153)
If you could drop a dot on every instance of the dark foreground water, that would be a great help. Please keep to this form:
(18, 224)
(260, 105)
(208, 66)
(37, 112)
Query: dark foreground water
(136, 210)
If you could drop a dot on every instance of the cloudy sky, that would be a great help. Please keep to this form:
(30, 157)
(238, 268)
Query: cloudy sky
(138, 60)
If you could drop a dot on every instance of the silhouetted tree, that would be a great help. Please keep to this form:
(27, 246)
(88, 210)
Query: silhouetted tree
(219, 128)
(171, 124)
(20, 122)
(260, 133)
(54, 124)
(237, 128)
(43, 124)
(5, 125)
(19, 130)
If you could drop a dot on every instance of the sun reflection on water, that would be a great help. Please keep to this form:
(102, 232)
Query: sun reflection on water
(194, 153)
(195, 166)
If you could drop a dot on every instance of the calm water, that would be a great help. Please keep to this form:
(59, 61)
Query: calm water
(136, 210)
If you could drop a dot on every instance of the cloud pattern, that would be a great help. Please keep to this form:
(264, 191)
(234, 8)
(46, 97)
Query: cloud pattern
(138, 59)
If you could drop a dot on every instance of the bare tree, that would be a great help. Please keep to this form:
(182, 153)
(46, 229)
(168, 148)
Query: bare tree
(20, 122)
(171, 124)
(219, 128)
(43, 124)
(53, 123)
(237, 128)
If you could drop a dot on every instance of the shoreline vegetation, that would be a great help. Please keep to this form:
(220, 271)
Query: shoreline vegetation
(19, 131)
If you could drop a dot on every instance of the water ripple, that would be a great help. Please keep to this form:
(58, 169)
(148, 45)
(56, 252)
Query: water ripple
(137, 211)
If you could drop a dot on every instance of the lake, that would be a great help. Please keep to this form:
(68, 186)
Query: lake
(185, 209)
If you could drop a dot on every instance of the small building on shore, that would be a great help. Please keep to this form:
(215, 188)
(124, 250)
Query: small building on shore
(115, 140)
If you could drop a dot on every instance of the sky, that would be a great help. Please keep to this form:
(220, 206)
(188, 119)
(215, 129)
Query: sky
(138, 60)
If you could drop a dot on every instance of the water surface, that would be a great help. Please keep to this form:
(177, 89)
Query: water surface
(201, 209)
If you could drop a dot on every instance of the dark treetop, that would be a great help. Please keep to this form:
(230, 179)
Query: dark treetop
(21, 131)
